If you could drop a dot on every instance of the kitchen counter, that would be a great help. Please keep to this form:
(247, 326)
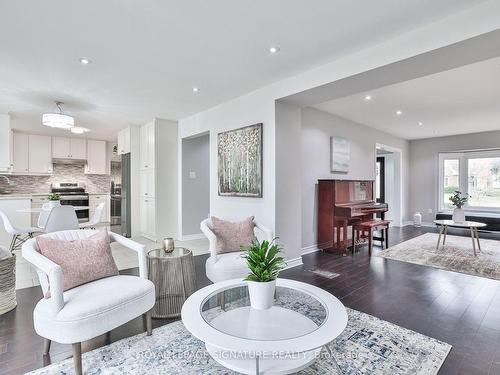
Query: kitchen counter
(22, 196)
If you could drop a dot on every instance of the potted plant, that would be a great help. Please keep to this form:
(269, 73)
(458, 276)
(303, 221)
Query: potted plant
(265, 263)
(54, 199)
(459, 201)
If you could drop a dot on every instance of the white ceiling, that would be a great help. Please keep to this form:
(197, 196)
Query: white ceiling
(147, 55)
(458, 101)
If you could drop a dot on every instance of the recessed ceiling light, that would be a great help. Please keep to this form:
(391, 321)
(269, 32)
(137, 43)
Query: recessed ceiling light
(274, 49)
(196, 89)
(79, 130)
(84, 61)
(368, 97)
(399, 112)
(420, 123)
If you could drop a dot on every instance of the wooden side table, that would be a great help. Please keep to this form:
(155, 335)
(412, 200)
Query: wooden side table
(174, 277)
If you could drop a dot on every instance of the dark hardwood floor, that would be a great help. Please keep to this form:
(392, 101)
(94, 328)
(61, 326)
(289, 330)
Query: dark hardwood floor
(459, 309)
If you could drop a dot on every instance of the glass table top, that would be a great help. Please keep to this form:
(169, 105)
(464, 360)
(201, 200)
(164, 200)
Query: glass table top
(295, 313)
(161, 253)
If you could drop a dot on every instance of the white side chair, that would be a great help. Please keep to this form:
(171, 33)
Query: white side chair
(44, 215)
(19, 234)
(61, 218)
(91, 309)
(227, 266)
(96, 218)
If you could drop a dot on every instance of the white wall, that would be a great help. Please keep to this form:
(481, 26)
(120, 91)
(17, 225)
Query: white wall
(317, 127)
(424, 166)
(259, 106)
(195, 191)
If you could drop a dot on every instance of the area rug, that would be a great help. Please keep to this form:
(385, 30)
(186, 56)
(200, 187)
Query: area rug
(456, 255)
(367, 346)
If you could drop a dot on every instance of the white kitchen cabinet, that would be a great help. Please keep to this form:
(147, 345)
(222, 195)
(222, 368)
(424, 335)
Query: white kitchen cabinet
(96, 157)
(32, 154)
(147, 146)
(148, 218)
(39, 154)
(69, 148)
(147, 183)
(20, 153)
(94, 201)
(124, 141)
(5, 144)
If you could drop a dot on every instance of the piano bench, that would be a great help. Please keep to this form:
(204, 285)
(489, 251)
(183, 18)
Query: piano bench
(369, 227)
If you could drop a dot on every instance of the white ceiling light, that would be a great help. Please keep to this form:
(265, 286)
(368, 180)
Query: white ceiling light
(196, 89)
(420, 123)
(274, 49)
(79, 130)
(368, 97)
(58, 120)
(84, 61)
(399, 112)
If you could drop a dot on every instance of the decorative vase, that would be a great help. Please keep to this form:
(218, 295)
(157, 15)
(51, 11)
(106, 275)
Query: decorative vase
(261, 294)
(168, 244)
(458, 215)
(53, 204)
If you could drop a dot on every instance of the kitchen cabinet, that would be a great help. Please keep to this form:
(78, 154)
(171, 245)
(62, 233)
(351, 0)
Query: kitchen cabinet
(148, 218)
(96, 157)
(69, 148)
(39, 154)
(147, 146)
(20, 153)
(94, 201)
(147, 183)
(124, 141)
(31, 154)
(5, 144)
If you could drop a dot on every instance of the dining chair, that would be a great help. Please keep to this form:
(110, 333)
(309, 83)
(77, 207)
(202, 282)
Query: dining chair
(96, 218)
(61, 218)
(44, 215)
(19, 234)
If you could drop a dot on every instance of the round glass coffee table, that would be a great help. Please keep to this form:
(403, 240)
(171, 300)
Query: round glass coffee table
(281, 340)
(174, 278)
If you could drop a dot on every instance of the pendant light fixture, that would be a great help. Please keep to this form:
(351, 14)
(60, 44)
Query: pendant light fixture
(58, 120)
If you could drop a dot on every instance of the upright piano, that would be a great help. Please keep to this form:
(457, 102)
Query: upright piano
(342, 203)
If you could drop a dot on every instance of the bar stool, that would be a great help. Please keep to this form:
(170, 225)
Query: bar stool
(365, 229)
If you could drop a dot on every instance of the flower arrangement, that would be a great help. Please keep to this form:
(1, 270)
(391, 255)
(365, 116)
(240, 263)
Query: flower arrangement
(54, 197)
(263, 261)
(458, 200)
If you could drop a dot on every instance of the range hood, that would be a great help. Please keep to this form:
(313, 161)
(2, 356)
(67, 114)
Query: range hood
(69, 161)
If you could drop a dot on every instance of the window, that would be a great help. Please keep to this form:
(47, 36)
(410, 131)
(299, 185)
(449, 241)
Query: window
(474, 172)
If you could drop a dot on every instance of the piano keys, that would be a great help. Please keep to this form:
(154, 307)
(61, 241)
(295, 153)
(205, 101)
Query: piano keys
(342, 203)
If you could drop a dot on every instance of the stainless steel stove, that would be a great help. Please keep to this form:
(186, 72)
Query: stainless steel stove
(73, 194)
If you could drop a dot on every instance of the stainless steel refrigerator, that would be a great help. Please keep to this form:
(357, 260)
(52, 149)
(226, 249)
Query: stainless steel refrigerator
(125, 196)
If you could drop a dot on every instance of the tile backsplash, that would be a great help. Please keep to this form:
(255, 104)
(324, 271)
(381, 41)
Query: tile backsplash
(62, 173)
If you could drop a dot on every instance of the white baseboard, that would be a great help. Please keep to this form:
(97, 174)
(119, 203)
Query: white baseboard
(290, 263)
(309, 249)
(191, 237)
(424, 224)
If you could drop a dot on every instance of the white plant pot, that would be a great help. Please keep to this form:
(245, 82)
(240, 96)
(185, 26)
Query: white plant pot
(53, 204)
(458, 215)
(261, 294)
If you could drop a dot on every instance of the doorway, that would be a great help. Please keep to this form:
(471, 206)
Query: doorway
(195, 185)
(388, 181)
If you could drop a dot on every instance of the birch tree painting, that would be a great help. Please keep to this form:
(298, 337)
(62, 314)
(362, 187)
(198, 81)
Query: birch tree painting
(240, 162)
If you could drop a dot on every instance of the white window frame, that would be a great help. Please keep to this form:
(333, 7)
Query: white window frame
(463, 166)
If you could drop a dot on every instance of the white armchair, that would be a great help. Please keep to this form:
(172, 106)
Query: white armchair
(227, 266)
(91, 309)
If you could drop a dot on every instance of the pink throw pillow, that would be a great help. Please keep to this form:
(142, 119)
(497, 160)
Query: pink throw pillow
(231, 236)
(82, 261)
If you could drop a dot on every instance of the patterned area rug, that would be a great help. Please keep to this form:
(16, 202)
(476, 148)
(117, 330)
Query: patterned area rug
(456, 255)
(367, 346)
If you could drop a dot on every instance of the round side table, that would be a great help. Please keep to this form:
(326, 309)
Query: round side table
(174, 278)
